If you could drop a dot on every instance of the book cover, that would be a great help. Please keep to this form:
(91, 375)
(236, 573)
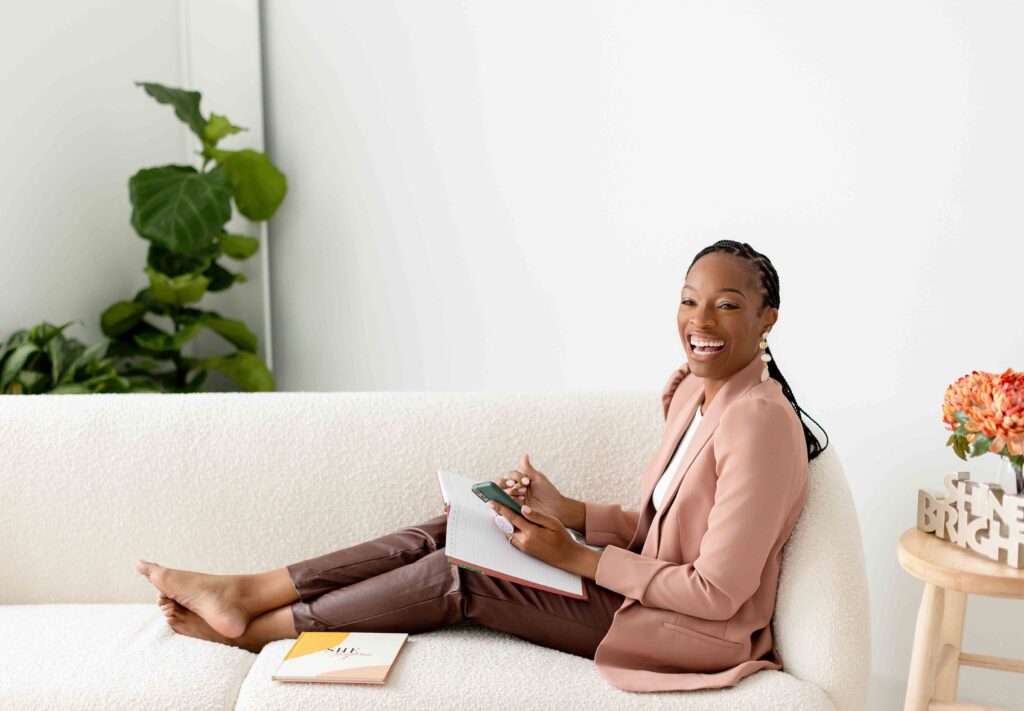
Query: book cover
(342, 657)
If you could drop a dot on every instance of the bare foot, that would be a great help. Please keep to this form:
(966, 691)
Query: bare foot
(184, 621)
(214, 598)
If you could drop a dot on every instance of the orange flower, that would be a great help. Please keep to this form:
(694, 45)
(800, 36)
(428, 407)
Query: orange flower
(1007, 421)
(971, 393)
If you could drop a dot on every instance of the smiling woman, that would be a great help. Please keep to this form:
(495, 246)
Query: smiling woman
(727, 307)
(681, 602)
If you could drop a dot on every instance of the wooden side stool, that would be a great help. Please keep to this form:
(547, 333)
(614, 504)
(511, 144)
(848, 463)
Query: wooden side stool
(949, 573)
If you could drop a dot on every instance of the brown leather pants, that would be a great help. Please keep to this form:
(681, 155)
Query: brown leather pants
(402, 582)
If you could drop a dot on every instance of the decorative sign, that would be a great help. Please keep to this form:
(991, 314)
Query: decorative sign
(980, 517)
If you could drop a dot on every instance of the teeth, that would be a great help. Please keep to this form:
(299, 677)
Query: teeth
(705, 344)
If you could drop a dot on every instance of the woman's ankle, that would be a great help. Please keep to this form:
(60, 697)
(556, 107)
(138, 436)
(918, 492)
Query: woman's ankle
(260, 592)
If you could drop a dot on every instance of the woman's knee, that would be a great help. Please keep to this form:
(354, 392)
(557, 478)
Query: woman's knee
(433, 530)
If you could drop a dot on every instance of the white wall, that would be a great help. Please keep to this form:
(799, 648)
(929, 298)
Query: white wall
(74, 128)
(506, 196)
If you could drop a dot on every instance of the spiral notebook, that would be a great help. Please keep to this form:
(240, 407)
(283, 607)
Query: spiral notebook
(474, 542)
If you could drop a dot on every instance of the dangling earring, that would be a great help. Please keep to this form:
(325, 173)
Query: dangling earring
(764, 356)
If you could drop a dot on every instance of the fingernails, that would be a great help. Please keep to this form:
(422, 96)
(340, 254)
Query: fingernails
(503, 523)
(509, 482)
(527, 509)
(526, 480)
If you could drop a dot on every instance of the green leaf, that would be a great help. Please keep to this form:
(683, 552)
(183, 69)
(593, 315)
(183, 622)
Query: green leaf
(981, 443)
(185, 103)
(259, 187)
(14, 363)
(70, 389)
(138, 367)
(192, 363)
(124, 346)
(120, 317)
(175, 263)
(30, 380)
(95, 352)
(145, 297)
(183, 289)
(58, 351)
(218, 127)
(244, 368)
(112, 384)
(220, 278)
(196, 381)
(960, 448)
(41, 334)
(951, 439)
(162, 341)
(961, 417)
(143, 386)
(179, 208)
(239, 246)
(12, 341)
(236, 332)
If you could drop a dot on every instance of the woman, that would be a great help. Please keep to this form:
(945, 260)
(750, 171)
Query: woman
(681, 595)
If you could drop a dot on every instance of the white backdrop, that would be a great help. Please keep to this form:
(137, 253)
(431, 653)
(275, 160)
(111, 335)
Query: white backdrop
(506, 196)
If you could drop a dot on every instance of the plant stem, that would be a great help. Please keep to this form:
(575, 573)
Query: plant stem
(181, 372)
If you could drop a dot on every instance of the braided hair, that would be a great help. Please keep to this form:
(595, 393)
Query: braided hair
(770, 294)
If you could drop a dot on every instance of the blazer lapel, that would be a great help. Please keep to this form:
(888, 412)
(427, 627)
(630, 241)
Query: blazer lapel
(747, 377)
(669, 441)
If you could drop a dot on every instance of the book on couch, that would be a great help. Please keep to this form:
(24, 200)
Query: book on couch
(472, 541)
(342, 657)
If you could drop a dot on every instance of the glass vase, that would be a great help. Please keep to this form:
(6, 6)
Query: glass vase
(1010, 476)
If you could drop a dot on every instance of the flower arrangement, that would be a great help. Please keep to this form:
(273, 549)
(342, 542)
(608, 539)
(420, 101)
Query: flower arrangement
(985, 413)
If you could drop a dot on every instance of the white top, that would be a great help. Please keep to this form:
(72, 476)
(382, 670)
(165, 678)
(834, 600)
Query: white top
(673, 464)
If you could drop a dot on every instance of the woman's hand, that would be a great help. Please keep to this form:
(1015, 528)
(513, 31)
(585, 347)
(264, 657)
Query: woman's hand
(541, 536)
(535, 489)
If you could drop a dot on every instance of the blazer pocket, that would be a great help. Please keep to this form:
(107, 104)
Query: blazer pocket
(727, 644)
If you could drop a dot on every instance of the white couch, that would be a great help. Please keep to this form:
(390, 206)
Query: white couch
(246, 482)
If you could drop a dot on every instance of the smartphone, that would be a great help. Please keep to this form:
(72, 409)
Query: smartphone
(489, 491)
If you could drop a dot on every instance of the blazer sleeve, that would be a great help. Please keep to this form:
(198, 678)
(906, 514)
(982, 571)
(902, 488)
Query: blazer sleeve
(759, 476)
(609, 524)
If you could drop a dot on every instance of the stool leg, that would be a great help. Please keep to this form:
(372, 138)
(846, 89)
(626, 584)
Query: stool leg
(921, 679)
(950, 639)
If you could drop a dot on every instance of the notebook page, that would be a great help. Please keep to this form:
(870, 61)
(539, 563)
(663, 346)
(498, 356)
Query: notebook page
(472, 536)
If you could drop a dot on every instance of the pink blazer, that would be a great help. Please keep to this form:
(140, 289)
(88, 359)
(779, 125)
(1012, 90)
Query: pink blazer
(700, 574)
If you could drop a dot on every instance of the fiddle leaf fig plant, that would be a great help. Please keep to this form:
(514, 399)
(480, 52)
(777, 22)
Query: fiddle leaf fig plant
(182, 211)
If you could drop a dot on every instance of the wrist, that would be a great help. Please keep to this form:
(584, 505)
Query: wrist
(574, 514)
(586, 562)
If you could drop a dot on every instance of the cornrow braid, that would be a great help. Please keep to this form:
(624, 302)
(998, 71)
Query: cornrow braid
(770, 293)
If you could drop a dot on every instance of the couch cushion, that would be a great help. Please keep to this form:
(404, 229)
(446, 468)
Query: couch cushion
(117, 656)
(468, 667)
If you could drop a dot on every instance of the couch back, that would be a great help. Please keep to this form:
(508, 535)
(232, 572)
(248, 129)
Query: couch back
(246, 482)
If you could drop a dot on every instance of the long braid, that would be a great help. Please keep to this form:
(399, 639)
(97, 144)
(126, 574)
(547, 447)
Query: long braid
(770, 285)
